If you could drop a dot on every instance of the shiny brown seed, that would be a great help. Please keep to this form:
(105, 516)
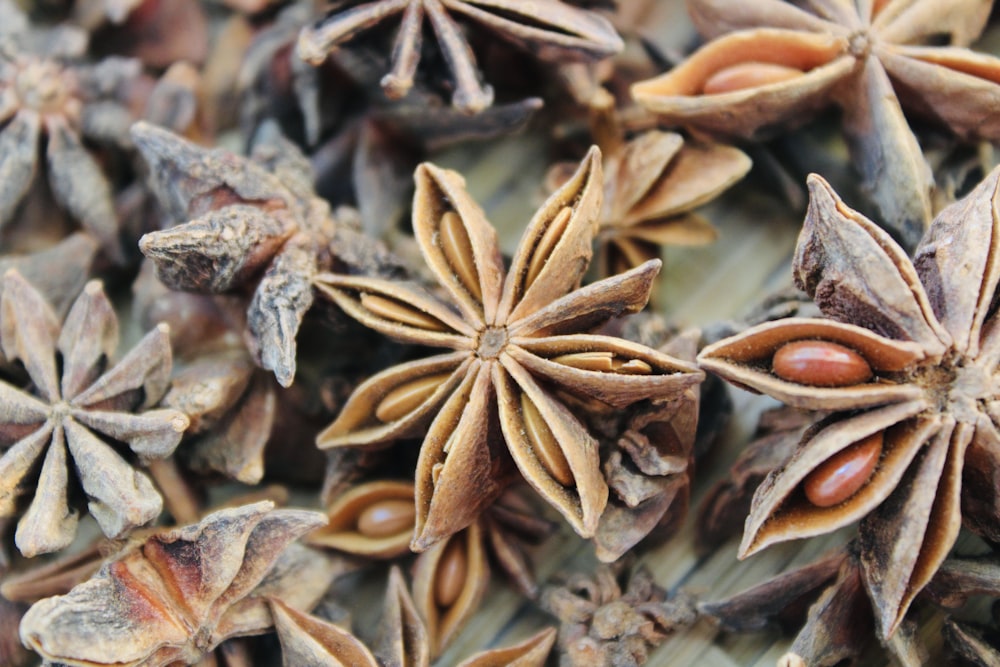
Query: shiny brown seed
(449, 580)
(548, 242)
(544, 444)
(843, 474)
(387, 517)
(391, 309)
(748, 75)
(407, 397)
(457, 249)
(820, 363)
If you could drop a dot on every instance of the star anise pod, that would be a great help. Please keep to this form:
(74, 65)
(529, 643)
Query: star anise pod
(548, 28)
(777, 62)
(253, 222)
(515, 340)
(959, 579)
(176, 595)
(76, 395)
(907, 366)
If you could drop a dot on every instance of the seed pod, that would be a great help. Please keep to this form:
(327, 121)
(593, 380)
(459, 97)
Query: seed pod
(820, 363)
(748, 75)
(374, 519)
(843, 474)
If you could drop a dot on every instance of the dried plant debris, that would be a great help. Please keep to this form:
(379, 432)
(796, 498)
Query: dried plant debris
(613, 617)
(76, 396)
(519, 331)
(906, 366)
(775, 64)
(550, 29)
(251, 221)
(179, 593)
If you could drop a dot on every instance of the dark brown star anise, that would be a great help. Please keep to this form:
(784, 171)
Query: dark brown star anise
(776, 62)
(75, 394)
(514, 338)
(907, 365)
(549, 28)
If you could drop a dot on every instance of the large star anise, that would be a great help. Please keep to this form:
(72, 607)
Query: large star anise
(76, 394)
(773, 62)
(550, 28)
(908, 365)
(515, 345)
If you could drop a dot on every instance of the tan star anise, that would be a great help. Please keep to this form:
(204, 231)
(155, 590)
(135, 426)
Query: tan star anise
(549, 28)
(908, 366)
(773, 62)
(75, 395)
(515, 341)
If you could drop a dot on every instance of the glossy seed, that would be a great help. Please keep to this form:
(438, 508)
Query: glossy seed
(550, 239)
(395, 311)
(843, 474)
(632, 367)
(748, 75)
(544, 444)
(449, 580)
(457, 249)
(387, 517)
(820, 363)
(407, 397)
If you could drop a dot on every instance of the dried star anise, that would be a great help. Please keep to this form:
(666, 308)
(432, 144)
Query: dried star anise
(75, 394)
(515, 340)
(549, 28)
(907, 366)
(176, 595)
(776, 62)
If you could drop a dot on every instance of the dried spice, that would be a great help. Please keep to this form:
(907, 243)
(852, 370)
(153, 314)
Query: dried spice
(374, 519)
(778, 62)
(614, 617)
(926, 330)
(180, 592)
(517, 333)
(76, 396)
(550, 29)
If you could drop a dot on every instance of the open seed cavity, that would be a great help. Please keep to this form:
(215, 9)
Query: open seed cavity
(844, 474)
(604, 362)
(397, 311)
(407, 397)
(745, 75)
(544, 443)
(820, 363)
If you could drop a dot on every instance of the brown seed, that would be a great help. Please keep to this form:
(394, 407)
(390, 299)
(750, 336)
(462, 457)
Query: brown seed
(407, 397)
(843, 474)
(544, 444)
(449, 580)
(548, 242)
(820, 363)
(457, 249)
(387, 517)
(391, 309)
(748, 75)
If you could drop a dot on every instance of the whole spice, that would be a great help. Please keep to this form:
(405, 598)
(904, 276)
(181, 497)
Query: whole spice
(517, 336)
(893, 452)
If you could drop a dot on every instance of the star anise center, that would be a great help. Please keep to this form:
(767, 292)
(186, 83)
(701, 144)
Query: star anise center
(859, 44)
(957, 386)
(492, 341)
(44, 86)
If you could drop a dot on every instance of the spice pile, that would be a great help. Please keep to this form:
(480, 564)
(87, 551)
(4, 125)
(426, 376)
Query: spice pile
(338, 333)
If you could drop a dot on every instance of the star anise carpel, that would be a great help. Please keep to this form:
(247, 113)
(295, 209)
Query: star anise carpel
(83, 408)
(516, 340)
(907, 365)
(776, 63)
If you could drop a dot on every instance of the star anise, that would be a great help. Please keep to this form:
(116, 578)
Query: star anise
(907, 364)
(76, 394)
(776, 62)
(549, 28)
(514, 341)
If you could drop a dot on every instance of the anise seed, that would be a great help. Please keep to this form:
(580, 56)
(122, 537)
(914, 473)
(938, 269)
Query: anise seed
(820, 364)
(457, 249)
(544, 444)
(843, 474)
(748, 75)
(386, 517)
(545, 245)
(449, 580)
(391, 309)
(407, 397)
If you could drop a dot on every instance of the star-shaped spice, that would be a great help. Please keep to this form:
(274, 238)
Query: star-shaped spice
(516, 342)
(549, 28)
(76, 396)
(251, 221)
(907, 364)
(773, 62)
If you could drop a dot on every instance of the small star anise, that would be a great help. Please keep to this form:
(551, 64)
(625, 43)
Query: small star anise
(776, 62)
(76, 394)
(514, 341)
(549, 28)
(907, 365)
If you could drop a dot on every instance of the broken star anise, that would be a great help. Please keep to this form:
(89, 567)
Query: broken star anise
(549, 28)
(907, 365)
(77, 395)
(514, 339)
(774, 62)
